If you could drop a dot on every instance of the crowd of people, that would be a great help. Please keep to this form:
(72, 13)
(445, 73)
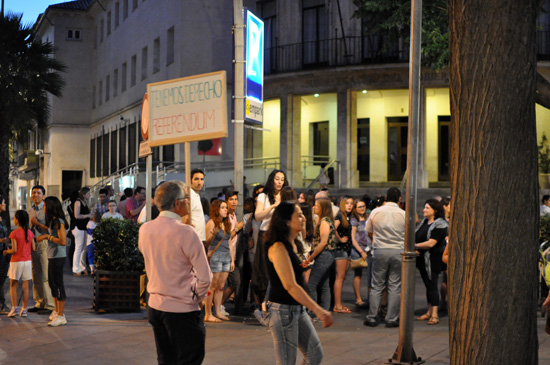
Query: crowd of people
(287, 256)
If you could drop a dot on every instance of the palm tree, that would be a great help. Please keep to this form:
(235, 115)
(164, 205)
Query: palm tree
(28, 75)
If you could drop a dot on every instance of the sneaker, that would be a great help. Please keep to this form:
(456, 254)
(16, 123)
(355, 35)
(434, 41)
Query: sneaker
(392, 324)
(58, 321)
(53, 315)
(13, 312)
(34, 309)
(4, 310)
(223, 311)
(23, 312)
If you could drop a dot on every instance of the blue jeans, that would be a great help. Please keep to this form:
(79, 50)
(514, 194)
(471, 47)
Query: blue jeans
(319, 278)
(292, 329)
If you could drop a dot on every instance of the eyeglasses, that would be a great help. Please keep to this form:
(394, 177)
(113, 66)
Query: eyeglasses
(361, 206)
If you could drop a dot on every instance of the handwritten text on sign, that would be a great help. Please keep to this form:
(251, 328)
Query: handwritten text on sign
(188, 109)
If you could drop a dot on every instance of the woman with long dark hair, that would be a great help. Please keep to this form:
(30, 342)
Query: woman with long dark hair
(82, 215)
(267, 201)
(221, 255)
(362, 247)
(290, 326)
(342, 253)
(324, 243)
(430, 241)
(57, 240)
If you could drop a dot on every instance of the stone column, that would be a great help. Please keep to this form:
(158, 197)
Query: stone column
(347, 139)
(291, 110)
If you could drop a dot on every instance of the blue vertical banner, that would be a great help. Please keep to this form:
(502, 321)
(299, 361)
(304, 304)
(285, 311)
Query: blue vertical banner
(254, 82)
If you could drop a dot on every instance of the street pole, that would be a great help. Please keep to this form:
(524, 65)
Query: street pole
(404, 354)
(239, 61)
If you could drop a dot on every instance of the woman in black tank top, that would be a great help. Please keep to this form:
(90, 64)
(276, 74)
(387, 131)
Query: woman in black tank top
(82, 216)
(287, 318)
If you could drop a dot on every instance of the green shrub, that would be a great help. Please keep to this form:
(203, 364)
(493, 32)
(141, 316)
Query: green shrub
(544, 228)
(116, 246)
(544, 155)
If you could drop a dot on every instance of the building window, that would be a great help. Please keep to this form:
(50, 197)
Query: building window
(170, 46)
(114, 144)
(73, 34)
(98, 156)
(100, 99)
(115, 82)
(92, 157)
(105, 150)
(269, 15)
(122, 148)
(108, 22)
(132, 148)
(144, 63)
(101, 30)
(125, 10)
(315, 27)
(117, 14)
(123, 78)
(134, 5)
(93, 97)
(133, 71)
(107, 88)
(156, 56)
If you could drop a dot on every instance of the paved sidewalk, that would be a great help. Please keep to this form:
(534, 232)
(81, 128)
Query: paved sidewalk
(127, 338)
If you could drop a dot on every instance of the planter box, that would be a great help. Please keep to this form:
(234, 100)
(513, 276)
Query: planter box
(116, 291)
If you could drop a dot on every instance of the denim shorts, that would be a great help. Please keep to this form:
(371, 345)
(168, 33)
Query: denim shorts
(220, 262)
(340, 254)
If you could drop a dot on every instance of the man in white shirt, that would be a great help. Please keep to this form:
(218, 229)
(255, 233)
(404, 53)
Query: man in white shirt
(386, 227)
(545, 207)
(197, 214)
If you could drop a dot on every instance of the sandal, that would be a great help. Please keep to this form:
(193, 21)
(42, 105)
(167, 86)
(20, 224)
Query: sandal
(361, 304)
(423, 317)
(222, 317)
(433, 320)
(342, 310)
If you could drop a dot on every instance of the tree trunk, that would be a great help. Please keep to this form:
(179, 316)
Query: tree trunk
(494, 227)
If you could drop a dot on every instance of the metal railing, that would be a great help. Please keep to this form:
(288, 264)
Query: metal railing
(353, 50)
(318, 160)
(342, 51)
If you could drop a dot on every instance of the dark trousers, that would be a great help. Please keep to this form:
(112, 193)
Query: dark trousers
(55, 277)
(180, 337)
(432, 291)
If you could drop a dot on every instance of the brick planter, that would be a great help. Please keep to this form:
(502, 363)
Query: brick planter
(116, 291)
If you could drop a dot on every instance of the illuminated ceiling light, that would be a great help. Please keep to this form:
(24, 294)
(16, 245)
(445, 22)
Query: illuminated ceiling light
(364, 91)
(316, 95)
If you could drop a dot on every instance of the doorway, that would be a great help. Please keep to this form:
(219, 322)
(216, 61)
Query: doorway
(319, 131)
(444, 147)
(398, 130)
(70, 181)
(363, 149)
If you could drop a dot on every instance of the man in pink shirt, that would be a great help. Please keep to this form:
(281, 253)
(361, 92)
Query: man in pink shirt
(179, 277)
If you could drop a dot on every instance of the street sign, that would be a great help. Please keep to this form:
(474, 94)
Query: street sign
(254, 75)
(144, 149)
(187, 109)
(145, 117)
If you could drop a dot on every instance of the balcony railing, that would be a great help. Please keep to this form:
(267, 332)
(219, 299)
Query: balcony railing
(352, 51)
